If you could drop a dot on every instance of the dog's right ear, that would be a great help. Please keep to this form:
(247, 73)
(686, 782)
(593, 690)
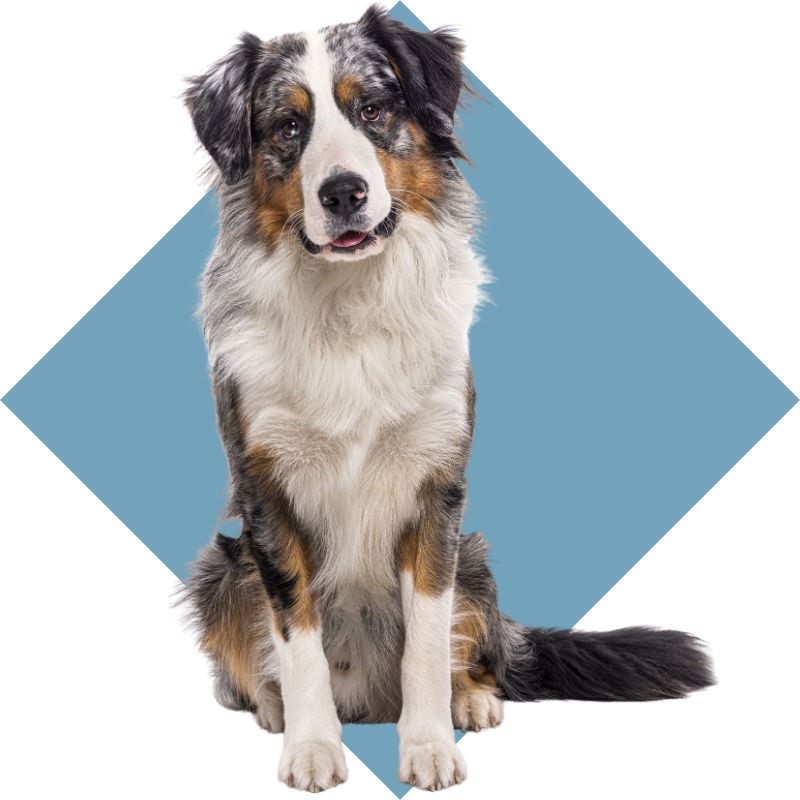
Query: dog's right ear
(220, 104)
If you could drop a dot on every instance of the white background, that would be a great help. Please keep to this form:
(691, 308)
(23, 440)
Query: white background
(681, 117)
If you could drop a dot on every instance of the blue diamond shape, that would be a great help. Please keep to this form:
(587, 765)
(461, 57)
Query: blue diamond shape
(610, 398)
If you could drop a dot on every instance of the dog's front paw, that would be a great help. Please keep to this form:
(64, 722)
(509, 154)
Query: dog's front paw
(312, 765)
(431, 765)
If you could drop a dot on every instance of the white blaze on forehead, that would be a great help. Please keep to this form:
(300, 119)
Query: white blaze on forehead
(335, 146)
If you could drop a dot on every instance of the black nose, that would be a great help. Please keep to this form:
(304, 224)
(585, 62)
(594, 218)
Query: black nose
(343, 194)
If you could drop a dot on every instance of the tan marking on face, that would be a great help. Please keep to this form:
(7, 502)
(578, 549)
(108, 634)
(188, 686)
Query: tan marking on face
(297, 98)
(276, 201)
(293, 553)
(347, 90)
(415, 181)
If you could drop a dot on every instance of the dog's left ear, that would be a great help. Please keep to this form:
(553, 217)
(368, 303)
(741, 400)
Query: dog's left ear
(430, 71)
(220, 104)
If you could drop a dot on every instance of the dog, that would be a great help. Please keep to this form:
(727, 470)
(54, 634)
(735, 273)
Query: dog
(336, 307)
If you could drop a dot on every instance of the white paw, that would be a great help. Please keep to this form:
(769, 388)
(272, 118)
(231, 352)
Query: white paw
(312, 765)
(431, 765)
(476, 711)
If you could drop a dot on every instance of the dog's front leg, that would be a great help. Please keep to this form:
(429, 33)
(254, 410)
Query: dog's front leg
(312, 757)
(429, 757)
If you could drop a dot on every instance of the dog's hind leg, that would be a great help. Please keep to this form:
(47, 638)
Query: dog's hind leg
(230, 610)
(269, 707)
(476, 703)
(227, 694)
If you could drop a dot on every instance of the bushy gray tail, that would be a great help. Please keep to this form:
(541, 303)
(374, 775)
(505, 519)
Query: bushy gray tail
(626, 664)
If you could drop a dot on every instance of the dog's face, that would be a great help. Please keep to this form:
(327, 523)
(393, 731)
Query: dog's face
(335, 133)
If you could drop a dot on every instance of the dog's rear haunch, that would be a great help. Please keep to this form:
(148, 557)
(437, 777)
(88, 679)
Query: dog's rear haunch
(493, 658)
(336, 308)
(491, 653)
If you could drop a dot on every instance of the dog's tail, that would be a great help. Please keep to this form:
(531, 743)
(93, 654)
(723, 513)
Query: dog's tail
(627, 664)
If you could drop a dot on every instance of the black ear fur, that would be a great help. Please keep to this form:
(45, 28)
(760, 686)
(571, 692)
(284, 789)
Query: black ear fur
(220, 104)
(430, 71)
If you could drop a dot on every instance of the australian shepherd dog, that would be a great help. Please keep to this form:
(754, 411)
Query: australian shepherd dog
(336, 307)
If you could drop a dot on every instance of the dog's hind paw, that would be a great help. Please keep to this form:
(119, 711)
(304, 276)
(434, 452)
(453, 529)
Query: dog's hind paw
(269, 708)
(312, 765)
(270, 717)
(477, 709)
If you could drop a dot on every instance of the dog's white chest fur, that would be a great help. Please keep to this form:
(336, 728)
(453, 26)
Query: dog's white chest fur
(353, 376)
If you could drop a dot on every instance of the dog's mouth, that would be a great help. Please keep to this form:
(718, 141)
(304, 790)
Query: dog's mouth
(350, 241)
(354, 241)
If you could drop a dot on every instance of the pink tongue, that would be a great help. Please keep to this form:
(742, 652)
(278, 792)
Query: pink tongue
(349, 239)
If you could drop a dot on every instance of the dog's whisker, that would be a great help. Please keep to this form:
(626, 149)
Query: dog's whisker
(424, 199)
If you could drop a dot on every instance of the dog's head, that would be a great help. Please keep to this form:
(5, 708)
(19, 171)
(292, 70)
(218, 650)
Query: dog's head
(335, 133)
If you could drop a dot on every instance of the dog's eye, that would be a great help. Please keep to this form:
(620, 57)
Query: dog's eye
(371, 113)
(290, 128)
